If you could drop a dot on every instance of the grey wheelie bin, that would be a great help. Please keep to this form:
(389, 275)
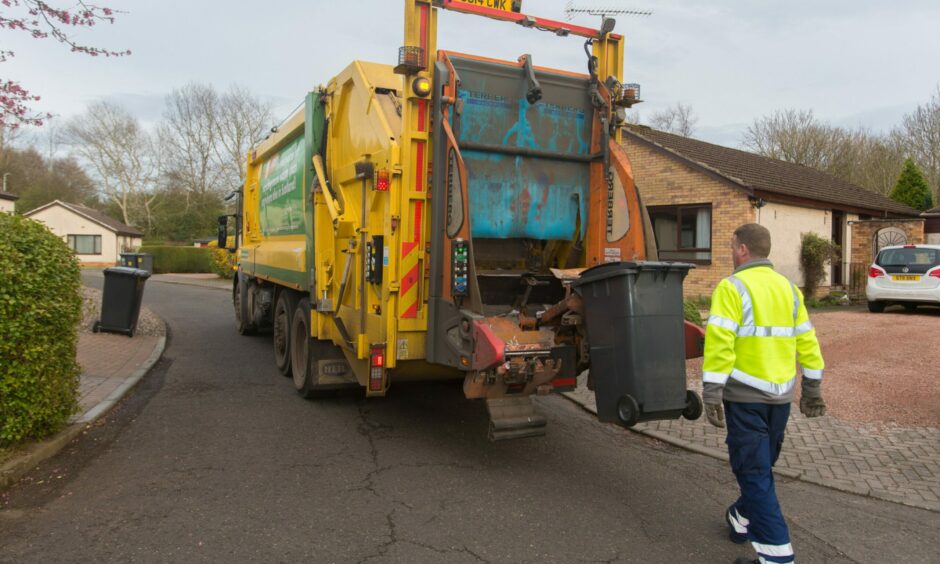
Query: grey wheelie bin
(635, 328)
(143, 261)
(121, 299)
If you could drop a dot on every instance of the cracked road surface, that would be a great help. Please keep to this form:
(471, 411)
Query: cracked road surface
(214, 457)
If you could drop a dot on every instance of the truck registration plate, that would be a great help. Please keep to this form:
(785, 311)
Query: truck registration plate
(501, 5)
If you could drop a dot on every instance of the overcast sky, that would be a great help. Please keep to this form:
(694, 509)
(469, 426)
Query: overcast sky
(854, 62)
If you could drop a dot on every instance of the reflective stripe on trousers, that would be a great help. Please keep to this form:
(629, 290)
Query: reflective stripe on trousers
(755, 436)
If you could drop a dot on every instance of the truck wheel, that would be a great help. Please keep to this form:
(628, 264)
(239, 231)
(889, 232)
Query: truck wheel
(240, 301)
(876, 307)
(628, 411)
(301, 364)
(283, 312)
(693, 406)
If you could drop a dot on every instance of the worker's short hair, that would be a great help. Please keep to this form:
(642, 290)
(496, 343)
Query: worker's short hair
(756, 238)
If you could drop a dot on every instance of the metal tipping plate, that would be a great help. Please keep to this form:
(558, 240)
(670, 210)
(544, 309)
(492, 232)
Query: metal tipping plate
(514, 418)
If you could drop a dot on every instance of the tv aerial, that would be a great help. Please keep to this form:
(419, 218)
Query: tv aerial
(603, 11)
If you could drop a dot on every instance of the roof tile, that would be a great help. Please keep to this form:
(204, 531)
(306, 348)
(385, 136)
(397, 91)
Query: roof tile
(771, 175)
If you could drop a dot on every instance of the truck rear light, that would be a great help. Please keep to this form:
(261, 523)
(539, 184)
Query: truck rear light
(377, 368)
(875, 272)
(382, 181)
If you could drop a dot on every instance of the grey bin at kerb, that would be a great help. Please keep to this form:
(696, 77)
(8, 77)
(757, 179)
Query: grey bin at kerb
(121, 299)
(143, 261)
(636, 331)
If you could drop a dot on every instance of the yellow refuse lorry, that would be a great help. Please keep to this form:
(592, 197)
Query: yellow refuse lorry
(430, 219)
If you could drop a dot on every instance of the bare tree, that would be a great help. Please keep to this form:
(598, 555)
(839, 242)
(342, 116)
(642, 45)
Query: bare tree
(678, 119)
(205, 137)
(111, 141)
(792, 135)
(242, 122)
(188, 137)
(919, 134)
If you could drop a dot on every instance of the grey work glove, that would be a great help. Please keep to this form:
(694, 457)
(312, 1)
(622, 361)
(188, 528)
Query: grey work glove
(712, 395)
(811, 401)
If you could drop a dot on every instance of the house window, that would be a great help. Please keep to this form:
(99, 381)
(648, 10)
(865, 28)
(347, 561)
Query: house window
(683, 232)
(85, 244)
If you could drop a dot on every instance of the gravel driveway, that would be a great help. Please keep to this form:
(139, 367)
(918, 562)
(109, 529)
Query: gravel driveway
(881, 368)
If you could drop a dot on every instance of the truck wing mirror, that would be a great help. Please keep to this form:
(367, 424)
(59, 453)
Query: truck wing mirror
(223, 232)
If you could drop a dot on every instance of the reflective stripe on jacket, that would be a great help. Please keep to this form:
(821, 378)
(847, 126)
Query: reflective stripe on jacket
(758, 327)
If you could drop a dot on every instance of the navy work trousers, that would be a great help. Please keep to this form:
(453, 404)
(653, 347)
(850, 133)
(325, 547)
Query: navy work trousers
(755, 435)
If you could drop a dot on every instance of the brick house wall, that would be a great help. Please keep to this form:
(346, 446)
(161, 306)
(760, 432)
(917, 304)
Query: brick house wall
(663, 180)
(863, 236)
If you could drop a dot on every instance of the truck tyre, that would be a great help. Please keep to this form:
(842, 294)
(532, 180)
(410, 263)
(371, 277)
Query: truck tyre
(240, 301)
(301, 364)
(281, 327)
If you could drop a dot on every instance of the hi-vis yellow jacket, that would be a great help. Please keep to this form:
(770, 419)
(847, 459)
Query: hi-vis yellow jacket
(757, 328)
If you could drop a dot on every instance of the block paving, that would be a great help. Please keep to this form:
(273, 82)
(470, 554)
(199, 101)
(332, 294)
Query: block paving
(107, 360)
(899, 464)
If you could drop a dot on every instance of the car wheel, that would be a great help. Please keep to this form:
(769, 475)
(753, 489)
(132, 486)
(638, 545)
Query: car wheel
(876, 307)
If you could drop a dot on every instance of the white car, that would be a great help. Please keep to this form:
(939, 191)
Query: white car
(908, 275)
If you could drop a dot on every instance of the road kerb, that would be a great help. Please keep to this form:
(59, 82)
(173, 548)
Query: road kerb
(785, 472)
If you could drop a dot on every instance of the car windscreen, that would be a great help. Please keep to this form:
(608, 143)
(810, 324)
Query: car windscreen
(916, 260)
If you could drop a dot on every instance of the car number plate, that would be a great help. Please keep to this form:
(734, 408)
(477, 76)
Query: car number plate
(905, 278)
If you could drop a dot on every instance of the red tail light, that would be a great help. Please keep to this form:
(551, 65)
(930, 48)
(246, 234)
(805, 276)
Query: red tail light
(377, 368)
(382, 181)
(875, 272)
(934, 273)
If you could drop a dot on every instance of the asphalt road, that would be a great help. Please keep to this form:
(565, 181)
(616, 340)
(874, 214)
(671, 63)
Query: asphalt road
(215, 458)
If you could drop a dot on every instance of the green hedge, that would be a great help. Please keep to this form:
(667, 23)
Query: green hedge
(179, 259)
(40, 308)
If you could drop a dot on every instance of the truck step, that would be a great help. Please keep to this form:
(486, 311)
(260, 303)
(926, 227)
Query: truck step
(514, 418)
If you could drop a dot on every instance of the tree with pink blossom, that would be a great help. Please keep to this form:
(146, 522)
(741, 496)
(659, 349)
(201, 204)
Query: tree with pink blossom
(43, 20)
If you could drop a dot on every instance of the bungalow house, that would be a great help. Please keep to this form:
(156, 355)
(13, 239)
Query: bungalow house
(932, 225)
(97, 239)
(697, 193)
(7, 202)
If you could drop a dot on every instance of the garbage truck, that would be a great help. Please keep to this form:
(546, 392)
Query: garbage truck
(439, 218)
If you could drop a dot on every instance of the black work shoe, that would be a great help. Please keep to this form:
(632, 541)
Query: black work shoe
(734, 536)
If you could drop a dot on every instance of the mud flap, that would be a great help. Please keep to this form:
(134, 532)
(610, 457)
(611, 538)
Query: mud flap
(514, 418)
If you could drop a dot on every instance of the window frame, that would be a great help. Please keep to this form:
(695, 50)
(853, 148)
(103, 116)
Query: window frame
(678, 210)
(72, 238)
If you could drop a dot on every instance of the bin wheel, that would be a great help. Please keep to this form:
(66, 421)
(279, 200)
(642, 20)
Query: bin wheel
(283, 315)
(628, 411)
(693, 406)
(96, 328)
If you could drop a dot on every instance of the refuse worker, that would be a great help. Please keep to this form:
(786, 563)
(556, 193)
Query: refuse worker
(757, 329)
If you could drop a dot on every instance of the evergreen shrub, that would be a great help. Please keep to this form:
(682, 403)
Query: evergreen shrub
(40, 309)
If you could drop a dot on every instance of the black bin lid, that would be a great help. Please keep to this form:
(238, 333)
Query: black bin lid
(127, 271)
(615, 269)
